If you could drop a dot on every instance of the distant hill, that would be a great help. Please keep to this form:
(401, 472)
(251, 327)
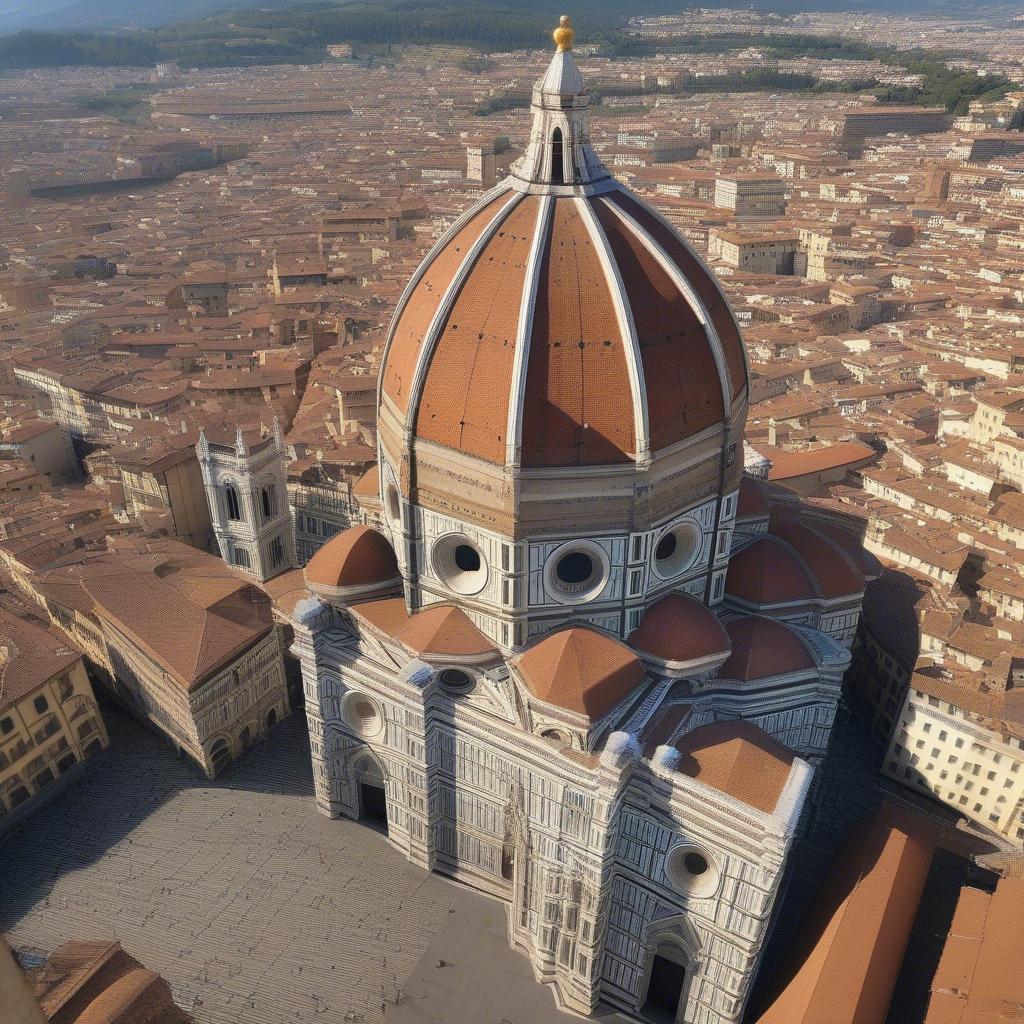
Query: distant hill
(107, 15)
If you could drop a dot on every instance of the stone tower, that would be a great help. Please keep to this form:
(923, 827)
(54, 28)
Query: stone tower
(246, 490)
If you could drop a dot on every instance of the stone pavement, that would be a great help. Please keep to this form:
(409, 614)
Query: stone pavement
(253, 906)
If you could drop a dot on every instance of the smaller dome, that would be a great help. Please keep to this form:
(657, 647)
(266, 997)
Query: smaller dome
(444, 630)
(360, 557)
(752, 501)
(368, 485)
(581, 671)
(763, 647)
(832, 568)
(680, 629)
(739, 759)
(767, 572)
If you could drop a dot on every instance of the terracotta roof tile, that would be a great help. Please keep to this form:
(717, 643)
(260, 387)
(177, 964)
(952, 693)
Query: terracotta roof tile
(684, 392)
(766, 573)
(679, 628)
(444, 629)
(578, 407)
(761, 648)
(580, 670)
(358, 557)
(738, 759)
(414, 319)
(842, 966)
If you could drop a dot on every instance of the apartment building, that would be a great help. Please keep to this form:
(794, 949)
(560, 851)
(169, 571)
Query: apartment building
(49, 720)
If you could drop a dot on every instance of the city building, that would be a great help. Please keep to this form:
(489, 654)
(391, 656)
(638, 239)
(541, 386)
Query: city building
(49, 721)
(536, 674)
(167, 479)
(183, 643)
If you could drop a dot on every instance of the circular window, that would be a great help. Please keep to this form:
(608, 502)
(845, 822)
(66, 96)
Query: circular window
(363, 715)
(459, 564)
(695, 863)
(576, 572)
(456, 680)
(692, 871)
(676, 549)
(467, 559)
(394, 503)
(576, 569)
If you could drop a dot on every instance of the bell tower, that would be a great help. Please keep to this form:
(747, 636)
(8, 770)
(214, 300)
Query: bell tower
(246, 491)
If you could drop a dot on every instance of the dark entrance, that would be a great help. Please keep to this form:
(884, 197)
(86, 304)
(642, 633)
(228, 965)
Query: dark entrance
(374, 804)
(664, 990)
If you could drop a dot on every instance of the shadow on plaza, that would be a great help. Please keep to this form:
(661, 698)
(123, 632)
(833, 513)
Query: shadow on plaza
(119, 789)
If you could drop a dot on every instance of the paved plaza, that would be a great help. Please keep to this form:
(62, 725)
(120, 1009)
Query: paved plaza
(253, 906)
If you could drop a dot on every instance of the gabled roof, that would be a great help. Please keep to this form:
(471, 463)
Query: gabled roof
(980, 978)
(843, 964)
(580, 670)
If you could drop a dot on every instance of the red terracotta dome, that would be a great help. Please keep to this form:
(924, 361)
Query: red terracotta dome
(739, 759)
(763, 647)
(832, 568)
(680, 629)
(580, 670)
(561, 321)
(768, 572)
(358, 557)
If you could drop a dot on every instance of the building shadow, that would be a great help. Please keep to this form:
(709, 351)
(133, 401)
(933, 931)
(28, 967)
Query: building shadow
(120, 788)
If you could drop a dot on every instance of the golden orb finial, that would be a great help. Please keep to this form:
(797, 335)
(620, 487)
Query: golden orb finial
(563, 35)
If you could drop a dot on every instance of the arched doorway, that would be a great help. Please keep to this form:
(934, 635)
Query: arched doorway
(672, 956)
(271, 718)
(665, 985)
(373, 801)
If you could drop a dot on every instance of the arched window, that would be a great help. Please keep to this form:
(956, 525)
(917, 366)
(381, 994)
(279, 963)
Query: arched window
(231, 502)
(557, 171)
(269, 498)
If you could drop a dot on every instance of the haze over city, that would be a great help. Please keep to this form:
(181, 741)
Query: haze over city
(511, 515)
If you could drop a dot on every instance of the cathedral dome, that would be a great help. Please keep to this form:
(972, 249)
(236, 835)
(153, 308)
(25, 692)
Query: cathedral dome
(561, 321)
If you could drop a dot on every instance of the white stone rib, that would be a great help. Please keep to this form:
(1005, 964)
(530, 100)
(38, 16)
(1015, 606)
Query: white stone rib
(459, 223)
(444, 309)
(627, 328)
(521, 358)
(679, 280)
(669, 226)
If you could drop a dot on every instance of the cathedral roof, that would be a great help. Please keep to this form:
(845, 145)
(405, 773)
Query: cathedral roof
(368, 485)
(768, 572)
(738, 759)
(444, 630)
(680, 629)
(752, 501)
(357, 557)
(561, 321)
(581, 671)
(763, 647)
(831, 567)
